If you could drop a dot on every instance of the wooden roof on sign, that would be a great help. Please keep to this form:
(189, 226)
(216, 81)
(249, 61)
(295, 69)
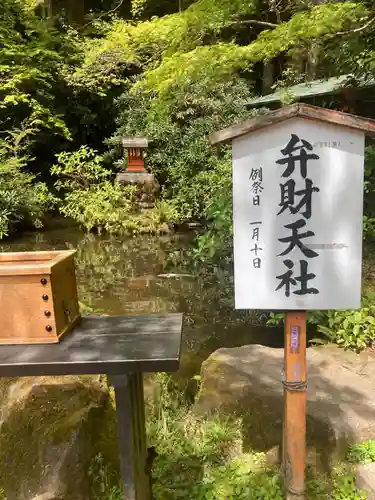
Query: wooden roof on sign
(316, 88)
(295, 110)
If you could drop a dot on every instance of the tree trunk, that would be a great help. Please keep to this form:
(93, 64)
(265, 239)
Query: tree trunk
(75, 11)
(267, 79)
(313, 60)
(49, 8)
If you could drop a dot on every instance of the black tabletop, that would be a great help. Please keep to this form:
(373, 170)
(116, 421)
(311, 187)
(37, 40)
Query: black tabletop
(102, 344)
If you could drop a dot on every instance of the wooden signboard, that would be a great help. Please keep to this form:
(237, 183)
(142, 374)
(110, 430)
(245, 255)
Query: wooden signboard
(297, 214)
(297, 217)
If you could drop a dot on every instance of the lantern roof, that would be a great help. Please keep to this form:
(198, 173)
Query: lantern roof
(294, 110)
(135, 142)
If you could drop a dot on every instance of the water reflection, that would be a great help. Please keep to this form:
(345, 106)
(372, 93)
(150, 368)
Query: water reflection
(127, 276)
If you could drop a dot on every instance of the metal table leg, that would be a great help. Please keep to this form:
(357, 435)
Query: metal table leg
(130, 410)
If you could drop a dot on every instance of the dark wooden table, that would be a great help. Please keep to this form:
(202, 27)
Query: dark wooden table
(123, 348)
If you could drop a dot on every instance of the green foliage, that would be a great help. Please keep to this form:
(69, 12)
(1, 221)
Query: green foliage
(22, 200)
(29, 65)
(192, 46)
(345, 489)
(339, 486)
(215, 242)
(203, 458)
(79, 169)
(362, 453)
(189, 169)
(32, 54)
(354, 330)
(216, 62)
(101, 206)
(368, 227)
(275, 319)
(96, 203)
(369, 189)
(111, 208)
(127, 46)
(178, 77)
(101, 480)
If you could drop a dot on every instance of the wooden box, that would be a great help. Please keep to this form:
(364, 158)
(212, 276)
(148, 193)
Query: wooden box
(38, 296)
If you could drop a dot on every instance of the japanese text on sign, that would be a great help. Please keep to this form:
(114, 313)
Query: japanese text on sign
(299, 203)
(256, 178)
(297, 217)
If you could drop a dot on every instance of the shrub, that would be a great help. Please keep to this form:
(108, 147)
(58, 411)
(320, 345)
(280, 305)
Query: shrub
(22, 200)
(354, 330)
(202, 458)
(102, 206)
(96, 203)
(216, 242)
(362, 453)
(344, 488)
(79, 169)
(180, 156)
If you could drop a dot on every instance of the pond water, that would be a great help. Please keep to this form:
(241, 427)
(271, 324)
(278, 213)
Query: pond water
(144, 275)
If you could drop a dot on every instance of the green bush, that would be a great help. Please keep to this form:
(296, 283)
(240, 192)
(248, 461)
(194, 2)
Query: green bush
(33, 53)
(202, 458)
(95, 202)
(102, 478)
(79, 169)
(22, 199)
(216, 241)
(188, 168)
(344, 488)
(362, 453)
(89, 198)
(103, 207)
(354, 330)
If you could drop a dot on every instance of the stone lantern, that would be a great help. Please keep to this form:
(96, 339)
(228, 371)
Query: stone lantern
(136, 173)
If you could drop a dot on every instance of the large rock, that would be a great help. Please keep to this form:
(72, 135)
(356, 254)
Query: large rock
(341, 397)
(46, 430)
(366, 479)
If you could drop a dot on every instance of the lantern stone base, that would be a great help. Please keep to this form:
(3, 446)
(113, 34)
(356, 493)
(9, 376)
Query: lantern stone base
(147, 187)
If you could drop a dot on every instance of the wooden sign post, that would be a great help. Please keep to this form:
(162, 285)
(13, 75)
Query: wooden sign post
(295, 385)
(297, 224)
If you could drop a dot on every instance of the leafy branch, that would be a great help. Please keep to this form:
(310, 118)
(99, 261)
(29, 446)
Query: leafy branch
(357, 30)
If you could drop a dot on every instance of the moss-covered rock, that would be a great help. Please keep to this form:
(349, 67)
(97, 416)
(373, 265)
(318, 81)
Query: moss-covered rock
(246, 381)
(47, 426)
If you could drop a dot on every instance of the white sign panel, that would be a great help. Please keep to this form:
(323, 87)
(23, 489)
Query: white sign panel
(297, 209)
